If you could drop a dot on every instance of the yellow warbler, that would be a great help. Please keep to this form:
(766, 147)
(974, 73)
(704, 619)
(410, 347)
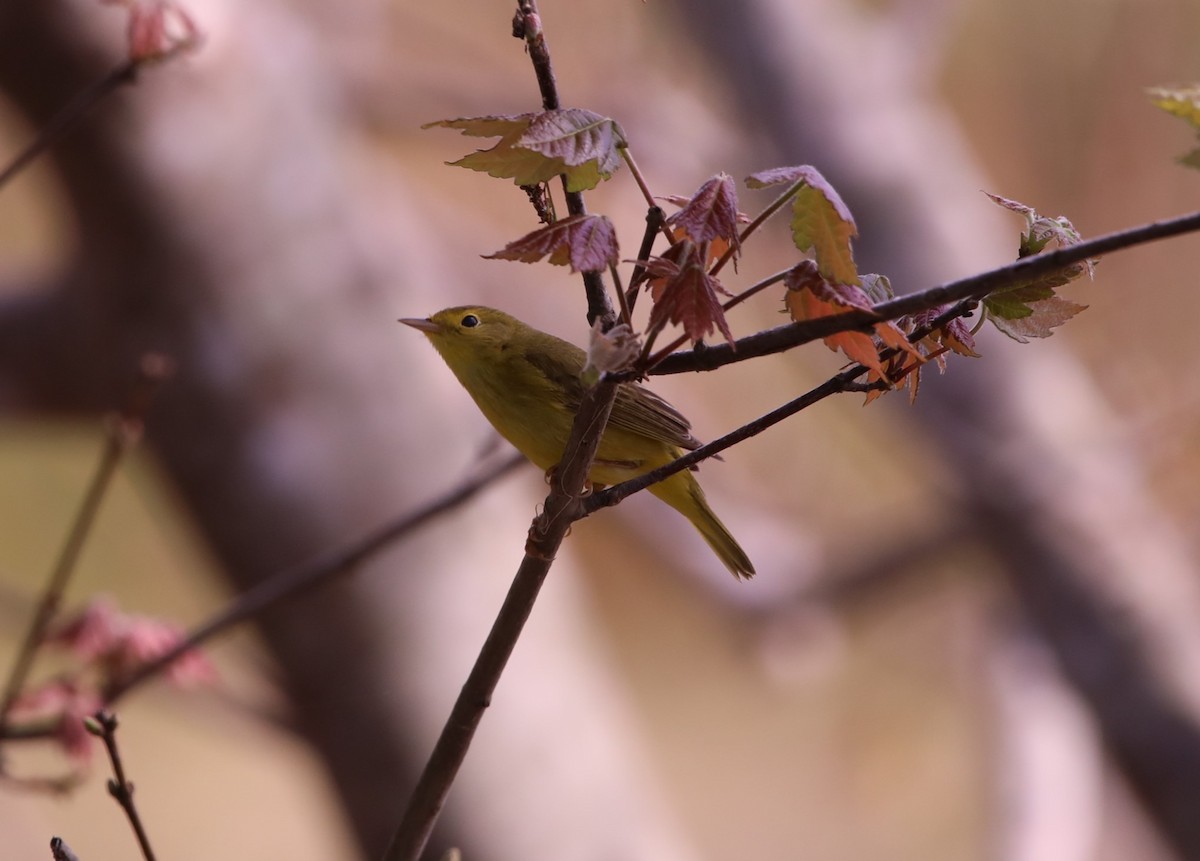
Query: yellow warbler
(527, 383)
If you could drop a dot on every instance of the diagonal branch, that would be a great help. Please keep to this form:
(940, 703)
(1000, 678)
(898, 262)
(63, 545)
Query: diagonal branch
(295, 582)
(120, 787)
(974, 287)
(562, 508)
(843, 382)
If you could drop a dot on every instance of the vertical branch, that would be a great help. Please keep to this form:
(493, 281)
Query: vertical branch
(655, 219)
(562, 508)
(527, 24)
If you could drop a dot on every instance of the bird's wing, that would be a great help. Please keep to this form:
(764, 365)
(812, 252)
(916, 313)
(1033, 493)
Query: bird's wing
(636, 408)
(639, 410)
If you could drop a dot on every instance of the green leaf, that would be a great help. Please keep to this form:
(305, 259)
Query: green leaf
(507, 161)
(1042, 317)
(1013, 304)
(1033, 309)
(818, 223)
(878, 287)
(1182, 102)
(486, 127)
(821, 221)
(583, 146)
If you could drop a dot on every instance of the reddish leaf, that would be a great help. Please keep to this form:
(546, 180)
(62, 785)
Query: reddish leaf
(844, 295)
(685, 294)
(810, 295)
(586, 243)
(811, 177)
(576, 136)
(711, 213)
(955, 336)
(806, 275)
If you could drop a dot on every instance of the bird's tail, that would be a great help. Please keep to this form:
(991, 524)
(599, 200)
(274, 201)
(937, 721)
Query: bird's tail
(683, 493)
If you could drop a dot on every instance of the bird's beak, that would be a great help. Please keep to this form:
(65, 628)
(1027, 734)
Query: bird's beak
(425, 325)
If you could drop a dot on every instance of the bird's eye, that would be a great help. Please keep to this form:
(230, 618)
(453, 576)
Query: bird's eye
(470, 321)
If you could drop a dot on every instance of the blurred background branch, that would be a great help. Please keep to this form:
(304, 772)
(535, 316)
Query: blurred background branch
(264, 211)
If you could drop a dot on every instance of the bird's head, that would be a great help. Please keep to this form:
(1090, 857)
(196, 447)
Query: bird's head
(468, 332)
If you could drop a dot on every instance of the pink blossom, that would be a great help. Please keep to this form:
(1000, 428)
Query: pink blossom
(67, 703)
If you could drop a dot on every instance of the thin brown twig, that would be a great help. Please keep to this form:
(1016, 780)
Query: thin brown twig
(67, 118)
(60, 851)
(104, 725)
(527, 25)
(124, 431)
(622, 300)
(655, 218)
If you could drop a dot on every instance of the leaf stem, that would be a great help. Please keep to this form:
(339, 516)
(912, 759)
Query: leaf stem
(758, 222)
(637, 176)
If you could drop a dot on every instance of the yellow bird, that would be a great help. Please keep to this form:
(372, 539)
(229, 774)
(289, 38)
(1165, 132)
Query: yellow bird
(527, 384)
